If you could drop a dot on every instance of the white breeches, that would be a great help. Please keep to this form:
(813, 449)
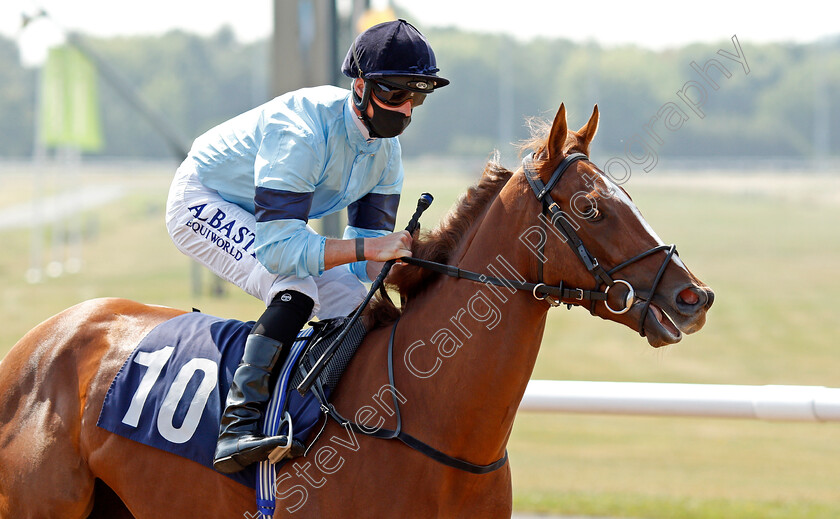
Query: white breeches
(222, 240)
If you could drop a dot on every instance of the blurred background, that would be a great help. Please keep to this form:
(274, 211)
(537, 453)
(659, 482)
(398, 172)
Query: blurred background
(721, 120)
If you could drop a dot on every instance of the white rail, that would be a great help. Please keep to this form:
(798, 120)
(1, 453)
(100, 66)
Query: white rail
(796, 403)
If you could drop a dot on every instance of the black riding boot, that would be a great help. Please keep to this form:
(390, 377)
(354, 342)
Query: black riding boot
(241, 443)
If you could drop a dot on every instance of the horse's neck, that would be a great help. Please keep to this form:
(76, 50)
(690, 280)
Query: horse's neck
(470, 347)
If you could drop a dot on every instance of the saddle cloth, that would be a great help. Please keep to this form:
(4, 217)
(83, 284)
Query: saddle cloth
(170, 392)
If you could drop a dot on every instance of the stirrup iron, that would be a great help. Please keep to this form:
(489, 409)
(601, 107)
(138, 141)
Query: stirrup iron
(282, 451)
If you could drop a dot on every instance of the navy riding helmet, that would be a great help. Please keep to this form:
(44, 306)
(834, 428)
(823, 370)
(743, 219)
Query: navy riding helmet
(396, 53)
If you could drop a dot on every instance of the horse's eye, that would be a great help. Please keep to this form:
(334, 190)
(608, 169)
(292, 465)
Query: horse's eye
(594, 215)
(587, 209)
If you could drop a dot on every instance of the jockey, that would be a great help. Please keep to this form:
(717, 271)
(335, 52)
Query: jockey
(240, 203)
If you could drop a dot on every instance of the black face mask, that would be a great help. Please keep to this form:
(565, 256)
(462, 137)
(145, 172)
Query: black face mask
(384, 123)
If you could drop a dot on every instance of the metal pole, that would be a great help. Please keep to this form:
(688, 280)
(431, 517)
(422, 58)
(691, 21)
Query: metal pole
(332, 224)
(35, 272)
(304, 53)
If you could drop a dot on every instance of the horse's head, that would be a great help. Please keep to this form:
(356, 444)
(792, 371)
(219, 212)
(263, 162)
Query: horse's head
(591, 235)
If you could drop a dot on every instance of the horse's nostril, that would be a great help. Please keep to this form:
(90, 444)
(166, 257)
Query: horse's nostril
(710, 298)
(688, 297)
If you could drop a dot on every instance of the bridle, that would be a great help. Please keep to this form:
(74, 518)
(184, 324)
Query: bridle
(560, 294)
(602, 277)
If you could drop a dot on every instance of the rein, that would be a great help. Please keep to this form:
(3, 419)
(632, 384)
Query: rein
(559, 291)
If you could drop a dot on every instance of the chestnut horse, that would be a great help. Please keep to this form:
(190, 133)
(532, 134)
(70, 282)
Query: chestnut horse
(463, 352)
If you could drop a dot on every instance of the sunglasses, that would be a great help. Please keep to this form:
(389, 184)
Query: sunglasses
(393, 96)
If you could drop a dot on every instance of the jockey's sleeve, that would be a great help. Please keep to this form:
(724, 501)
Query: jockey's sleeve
(375, 214)
(372, 216)
(286, 170)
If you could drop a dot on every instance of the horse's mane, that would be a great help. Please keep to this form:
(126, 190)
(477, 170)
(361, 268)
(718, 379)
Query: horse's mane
(439, 244)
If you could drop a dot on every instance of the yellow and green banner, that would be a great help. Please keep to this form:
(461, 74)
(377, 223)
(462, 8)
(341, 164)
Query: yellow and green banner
(70, 101)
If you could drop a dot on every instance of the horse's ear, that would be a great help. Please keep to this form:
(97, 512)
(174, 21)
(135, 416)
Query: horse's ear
(557, 137)
(587, 132)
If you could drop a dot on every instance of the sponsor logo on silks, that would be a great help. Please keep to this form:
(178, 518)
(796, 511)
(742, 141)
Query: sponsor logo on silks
(286, 298)
(222, 232)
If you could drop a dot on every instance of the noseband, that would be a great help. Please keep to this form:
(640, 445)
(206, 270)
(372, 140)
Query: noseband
(554, 295)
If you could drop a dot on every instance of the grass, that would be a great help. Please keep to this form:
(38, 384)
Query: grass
(770, 253)
(662, 468)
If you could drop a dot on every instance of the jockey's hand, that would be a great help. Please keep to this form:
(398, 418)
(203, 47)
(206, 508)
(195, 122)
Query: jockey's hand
(391, 246)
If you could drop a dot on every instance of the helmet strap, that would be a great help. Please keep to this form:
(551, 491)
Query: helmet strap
(361, 104)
